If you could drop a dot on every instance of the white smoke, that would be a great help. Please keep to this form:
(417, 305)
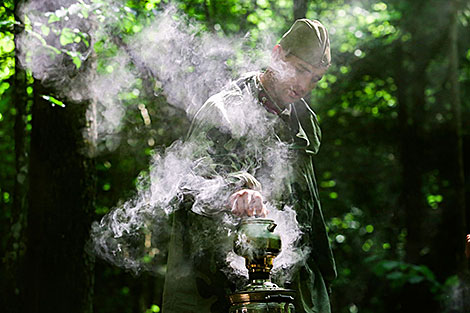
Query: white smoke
(188, 65)
(186, 171)
(287, 261)
(292, 255)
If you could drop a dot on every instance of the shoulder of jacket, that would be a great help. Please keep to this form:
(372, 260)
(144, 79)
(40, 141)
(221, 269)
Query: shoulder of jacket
(304, 106)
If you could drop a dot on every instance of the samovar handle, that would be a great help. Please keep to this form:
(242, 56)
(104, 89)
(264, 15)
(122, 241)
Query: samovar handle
(271, 227)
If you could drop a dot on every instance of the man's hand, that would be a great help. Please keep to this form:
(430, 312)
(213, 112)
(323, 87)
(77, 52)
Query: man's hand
(248, 202)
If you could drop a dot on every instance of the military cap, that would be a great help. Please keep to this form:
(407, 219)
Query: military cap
(309, 41)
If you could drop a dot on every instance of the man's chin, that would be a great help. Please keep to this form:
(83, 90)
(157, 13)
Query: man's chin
(289, 100)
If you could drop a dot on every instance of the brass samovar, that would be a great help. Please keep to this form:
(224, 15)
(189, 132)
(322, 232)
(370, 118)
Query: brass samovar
(259, 245)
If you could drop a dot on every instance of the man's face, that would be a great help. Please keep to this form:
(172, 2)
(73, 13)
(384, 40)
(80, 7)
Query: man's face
(294, 78)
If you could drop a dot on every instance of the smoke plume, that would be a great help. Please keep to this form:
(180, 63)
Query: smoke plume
(63, 45)
(60, 43)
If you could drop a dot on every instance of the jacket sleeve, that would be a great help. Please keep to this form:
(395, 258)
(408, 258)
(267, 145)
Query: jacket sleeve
(308, 138)
(224, 156)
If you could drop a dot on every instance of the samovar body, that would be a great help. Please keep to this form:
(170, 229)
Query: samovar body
(259, 245)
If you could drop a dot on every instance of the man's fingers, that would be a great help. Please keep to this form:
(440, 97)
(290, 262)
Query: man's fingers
(247, 203)
(240, 206)
(237, 203)
(232, 199)
(263, 212)
(245, 197)
(235, 206)
(256, 204)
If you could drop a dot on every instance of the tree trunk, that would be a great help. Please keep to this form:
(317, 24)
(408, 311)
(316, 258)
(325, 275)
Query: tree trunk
(410, 97)
(412, 156)
(16, 241)
(59, 270)
(455, 219)
(461, 219)
(14, 255)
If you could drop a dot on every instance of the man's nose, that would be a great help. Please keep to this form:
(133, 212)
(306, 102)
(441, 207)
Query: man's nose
(303, 85)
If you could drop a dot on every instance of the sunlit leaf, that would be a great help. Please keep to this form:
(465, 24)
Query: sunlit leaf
(53, 18)
(77, 62)
(53, 101)
(67, 36)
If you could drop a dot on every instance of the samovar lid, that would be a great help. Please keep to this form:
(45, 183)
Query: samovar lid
(256, 220)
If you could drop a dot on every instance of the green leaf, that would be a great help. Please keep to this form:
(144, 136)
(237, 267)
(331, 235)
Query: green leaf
(147, 259)
(427, 272)
(416, 279)
(53, 100)
(7, 44)
(53, 18)
(253, 18)
(395, 275)
(77, 62)
(9, 23)
(84, 12)
(27, 23)
(45, 30)
(388, 265)
(67, 36)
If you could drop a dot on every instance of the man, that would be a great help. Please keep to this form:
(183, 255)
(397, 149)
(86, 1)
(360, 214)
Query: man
(257, 136)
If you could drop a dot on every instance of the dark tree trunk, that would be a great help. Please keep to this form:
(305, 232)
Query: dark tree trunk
(12, 288)
(59, 270)
(455, 221)
(410, 101)
(412, 158)
(417, 150)
(459, 216)
(415, 58)
(16, 238)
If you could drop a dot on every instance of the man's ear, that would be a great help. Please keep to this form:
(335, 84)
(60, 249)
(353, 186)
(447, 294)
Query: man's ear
(277, 53)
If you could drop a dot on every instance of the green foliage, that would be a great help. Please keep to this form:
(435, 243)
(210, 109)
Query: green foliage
(53, 101)
(7, 61)
(67, 38)
(401, 273)
(7, 118)
(153, 309)
(358, 102)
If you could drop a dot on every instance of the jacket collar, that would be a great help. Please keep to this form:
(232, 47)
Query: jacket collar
(269, 104)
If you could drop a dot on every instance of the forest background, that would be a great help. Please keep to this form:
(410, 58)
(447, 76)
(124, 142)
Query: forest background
(393, 168)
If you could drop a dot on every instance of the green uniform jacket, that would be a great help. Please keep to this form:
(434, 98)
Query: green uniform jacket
(246, 146)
